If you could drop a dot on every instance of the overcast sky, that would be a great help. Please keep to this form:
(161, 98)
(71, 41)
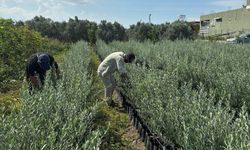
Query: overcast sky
(126, 12)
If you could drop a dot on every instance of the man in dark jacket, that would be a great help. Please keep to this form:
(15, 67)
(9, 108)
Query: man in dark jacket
(36, 68)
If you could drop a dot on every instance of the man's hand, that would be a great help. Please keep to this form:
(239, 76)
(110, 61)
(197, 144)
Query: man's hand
(56, 73)
(125, 79)
(124, 76)
(34, 81)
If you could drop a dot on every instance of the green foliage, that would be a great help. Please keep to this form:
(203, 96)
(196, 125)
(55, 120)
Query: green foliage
(71, 31)
(76, 29)
(9, 102)
(92, 33)
(142, 32)
(193, 92)
(153, 32)
(17, 43)
(53, 46)
(179, 30)
(43, 25)
(56, 118)
(116, 122)
(109, 32)
(195, 26)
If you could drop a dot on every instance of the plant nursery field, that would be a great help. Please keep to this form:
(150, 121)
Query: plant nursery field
(193, 93)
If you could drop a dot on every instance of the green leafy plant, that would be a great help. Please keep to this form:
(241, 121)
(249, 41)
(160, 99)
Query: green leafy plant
(193, 93)
(56, 118)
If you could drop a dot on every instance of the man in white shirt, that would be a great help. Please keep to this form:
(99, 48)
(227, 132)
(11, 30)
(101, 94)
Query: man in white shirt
(113, 62)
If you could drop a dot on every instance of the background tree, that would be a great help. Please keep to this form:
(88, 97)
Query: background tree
(109, 32)
(92, 28)
(146, 31)
(119, 32)
(75, 29)
(43, 25)
(16, 44)
(179, 30)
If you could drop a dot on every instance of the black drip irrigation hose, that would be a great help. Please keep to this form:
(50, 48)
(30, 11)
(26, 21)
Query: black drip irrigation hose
(151, 140)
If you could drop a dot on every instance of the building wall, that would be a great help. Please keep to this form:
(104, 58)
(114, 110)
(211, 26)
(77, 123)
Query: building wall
(228, 23)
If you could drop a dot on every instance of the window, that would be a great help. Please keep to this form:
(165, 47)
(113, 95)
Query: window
(218, 19)
(205, 23)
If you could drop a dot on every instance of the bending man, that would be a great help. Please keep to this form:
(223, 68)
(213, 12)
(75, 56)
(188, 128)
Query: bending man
(36, 68)
(113, 62)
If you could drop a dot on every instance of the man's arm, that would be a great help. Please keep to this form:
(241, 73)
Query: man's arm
(121, 69)
(55, 72)
(30, 75)
(55, 69)
(34, 81)
(120, 66)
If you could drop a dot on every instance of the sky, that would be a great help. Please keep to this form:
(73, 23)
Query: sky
(126, 12)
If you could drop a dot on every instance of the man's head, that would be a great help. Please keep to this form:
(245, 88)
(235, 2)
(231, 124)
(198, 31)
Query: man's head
(129, 57)
(44, 61)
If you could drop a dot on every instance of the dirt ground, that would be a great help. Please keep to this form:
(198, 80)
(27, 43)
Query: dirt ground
(131, 135)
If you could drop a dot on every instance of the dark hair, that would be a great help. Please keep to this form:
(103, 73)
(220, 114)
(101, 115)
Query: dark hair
(130, 56)
(44, 61)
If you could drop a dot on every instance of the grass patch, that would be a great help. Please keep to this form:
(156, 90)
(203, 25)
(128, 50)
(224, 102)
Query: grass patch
(116, 123)
(9, 102)
(59, 57)
(9, 96)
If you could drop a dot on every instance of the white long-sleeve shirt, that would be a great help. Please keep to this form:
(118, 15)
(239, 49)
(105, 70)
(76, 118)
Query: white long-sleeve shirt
(113, 62)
